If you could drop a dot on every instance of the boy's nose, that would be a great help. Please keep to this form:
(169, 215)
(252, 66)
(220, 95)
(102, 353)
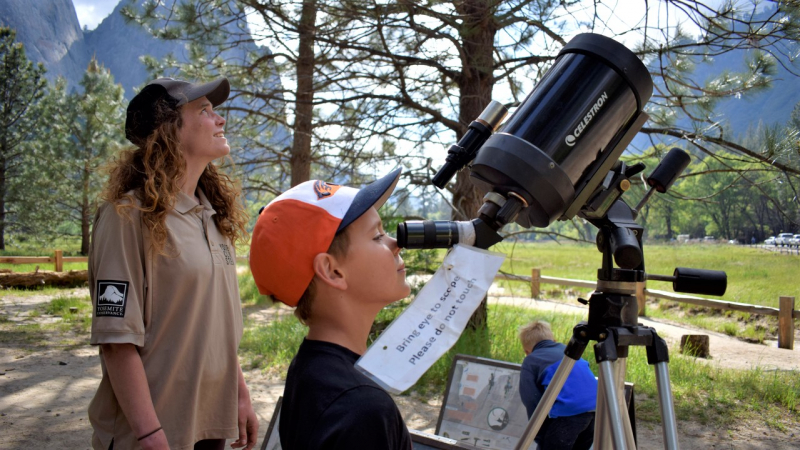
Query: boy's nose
(220, 120)
(393, 245)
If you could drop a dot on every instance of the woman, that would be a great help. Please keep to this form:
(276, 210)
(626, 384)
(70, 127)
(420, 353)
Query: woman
(162, 276)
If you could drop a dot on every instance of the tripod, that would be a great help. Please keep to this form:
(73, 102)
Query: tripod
(612, 323)
(613, 311)
(613, 308)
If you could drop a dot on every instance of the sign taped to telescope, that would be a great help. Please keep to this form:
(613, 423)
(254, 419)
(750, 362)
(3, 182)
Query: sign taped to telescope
(433, 322)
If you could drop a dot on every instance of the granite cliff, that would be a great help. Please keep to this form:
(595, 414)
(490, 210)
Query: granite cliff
(51, 34)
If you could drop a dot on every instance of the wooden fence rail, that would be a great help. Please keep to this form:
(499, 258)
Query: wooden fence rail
(785, 313)
(58, 259)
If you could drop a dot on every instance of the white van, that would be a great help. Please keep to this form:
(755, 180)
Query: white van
(783, 239)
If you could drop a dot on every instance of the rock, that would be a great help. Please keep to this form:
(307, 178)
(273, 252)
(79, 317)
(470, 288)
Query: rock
(52, 35)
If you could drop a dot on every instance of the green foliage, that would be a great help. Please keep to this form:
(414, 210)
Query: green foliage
(75, 315)
(272, 346)
(755, 276)
(248, 291)
(701, 391)
(83, 131)
(722, 195)
(22, 86)
(74, 311)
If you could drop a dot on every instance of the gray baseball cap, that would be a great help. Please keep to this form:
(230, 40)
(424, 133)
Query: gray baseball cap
(142, 117)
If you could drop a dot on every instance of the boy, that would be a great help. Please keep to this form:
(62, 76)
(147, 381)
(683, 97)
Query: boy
(321, 248)
(570, 423)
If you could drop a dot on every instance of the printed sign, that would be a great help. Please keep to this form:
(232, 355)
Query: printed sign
(482, 407)
(433, 322)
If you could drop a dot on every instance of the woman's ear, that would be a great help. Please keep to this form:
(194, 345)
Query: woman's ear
(327, 270)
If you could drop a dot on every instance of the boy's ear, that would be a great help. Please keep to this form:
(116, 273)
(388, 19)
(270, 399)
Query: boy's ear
(326, 269)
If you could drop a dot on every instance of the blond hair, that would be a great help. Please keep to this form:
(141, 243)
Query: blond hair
(535, 332)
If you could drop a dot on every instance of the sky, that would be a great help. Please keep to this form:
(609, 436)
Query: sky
(92, 12)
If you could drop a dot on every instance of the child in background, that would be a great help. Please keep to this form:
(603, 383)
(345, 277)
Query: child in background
(570, 422)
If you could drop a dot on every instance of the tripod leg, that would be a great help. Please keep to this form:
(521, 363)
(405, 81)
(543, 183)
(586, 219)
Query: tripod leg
(658, 355)
(611, 426)
(602, 428)
(669, 426)
(602, 435)
(573, 352)
(614, 419)
(621, 367)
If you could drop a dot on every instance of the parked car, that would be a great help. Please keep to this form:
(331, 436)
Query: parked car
(783, 239)
(795, 241)
(769, 241)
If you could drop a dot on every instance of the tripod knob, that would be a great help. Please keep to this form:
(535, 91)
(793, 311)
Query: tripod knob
(510, 209)
(700, 281)
(625, 248)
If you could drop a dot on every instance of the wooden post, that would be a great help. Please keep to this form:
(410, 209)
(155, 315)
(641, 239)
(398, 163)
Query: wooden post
(58, 261)
(641, 298)
(535, 273)
(695, 345)
(786, 323)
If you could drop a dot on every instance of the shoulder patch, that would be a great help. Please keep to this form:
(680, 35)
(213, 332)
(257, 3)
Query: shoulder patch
(112, 297)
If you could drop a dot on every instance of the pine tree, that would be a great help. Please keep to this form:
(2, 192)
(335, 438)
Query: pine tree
(22, 85)
(84, 130)
(417, 73)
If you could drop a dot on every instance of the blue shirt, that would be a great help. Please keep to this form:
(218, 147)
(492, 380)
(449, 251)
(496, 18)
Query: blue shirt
(577, 396)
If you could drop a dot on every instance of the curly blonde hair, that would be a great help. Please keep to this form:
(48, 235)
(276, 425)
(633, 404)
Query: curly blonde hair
(153, 171)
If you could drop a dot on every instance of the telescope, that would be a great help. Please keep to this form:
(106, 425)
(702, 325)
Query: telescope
(549, 158)
(557, 157)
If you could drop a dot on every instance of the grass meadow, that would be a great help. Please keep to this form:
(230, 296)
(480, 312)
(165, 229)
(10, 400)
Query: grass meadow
(702, 392)
(755, 275)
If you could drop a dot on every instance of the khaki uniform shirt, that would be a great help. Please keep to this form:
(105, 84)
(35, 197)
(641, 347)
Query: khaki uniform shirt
(183, 313)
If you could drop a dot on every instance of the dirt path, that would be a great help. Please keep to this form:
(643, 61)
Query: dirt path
(45, 392)
(726, 351)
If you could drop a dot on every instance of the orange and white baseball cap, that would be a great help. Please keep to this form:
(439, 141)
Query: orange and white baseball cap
(300, 224)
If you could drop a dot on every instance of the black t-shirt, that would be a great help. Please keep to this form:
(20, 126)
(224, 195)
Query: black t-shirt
(328, 404)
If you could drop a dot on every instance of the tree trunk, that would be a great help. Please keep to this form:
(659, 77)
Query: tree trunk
(304, 106)
(86, 212)
(44, 278)
(668, 218)
(3, 199)
(475, 85)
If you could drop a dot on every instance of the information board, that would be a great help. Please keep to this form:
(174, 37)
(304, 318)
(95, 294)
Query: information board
(482, 407)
